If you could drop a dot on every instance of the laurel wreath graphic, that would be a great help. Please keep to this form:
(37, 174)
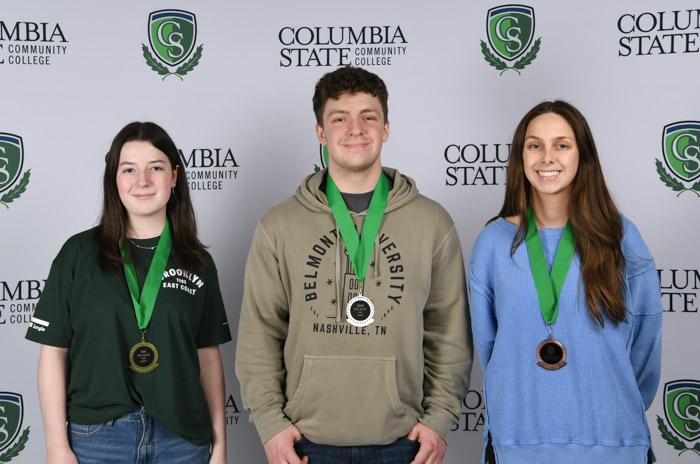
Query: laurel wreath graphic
(673, 440)
(674, 183)
(14, 450)
(17, 191)
(161, 69)
(519, 65)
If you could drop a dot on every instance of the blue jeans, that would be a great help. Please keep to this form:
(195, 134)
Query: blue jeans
(402, 451)
(134, 438)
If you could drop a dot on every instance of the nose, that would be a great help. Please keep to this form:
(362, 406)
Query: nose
(548, 155)
(142, 178)
(354, 126)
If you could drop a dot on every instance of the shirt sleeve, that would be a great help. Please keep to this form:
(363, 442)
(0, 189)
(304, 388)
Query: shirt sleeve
(213, 327)
(644, 293)
(447, 341)
(645, 350)
(50, 324)
(484, 323)
(262, 331)
(482, 300)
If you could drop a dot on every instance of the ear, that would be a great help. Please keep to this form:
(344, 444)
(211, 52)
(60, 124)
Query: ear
(321, 134)
(175, 172)
(385, 136)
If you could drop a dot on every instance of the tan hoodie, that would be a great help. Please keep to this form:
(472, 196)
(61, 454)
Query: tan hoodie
(298, 359)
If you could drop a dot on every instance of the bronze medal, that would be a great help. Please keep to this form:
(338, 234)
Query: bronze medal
(551, 354)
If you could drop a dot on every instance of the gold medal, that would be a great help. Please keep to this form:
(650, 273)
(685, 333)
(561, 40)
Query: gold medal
(143, 357)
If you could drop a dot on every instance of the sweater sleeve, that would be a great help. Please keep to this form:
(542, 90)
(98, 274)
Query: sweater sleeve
(447, 343)
(645, 350)
(261, 333)
(482, 301)
(645, 305)
(484, 323)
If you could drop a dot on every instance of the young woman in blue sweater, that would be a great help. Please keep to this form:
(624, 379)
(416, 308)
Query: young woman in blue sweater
(565, 305)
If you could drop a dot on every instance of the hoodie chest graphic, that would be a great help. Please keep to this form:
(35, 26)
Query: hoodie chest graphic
(330, 282)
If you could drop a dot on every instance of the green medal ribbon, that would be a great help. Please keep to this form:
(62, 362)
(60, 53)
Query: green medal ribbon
(549, 286)
(359, 249)
(143, 305)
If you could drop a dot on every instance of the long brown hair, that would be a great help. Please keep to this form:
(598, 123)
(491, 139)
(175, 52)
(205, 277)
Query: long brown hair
(115, 220)
(596, 222)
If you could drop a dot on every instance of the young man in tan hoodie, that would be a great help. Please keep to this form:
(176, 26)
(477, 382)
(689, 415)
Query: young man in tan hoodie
(353, 341)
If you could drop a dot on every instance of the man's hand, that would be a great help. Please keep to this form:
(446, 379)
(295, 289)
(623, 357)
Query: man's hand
(280, 448)
(432, 446)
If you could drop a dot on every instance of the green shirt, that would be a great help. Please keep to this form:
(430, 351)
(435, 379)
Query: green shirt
(90, 311)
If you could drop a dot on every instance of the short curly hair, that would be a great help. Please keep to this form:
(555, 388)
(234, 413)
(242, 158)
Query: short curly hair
(352, 80)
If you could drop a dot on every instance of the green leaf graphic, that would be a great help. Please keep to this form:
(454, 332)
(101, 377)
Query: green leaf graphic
(14, 450)
(154, 64)
(529, 56)
(191, 63)
(670, 438)
(15, 192)
(696, 188)
(667, 179)
(492, 59)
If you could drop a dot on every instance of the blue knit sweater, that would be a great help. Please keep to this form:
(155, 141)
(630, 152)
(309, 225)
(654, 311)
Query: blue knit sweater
(593, 409)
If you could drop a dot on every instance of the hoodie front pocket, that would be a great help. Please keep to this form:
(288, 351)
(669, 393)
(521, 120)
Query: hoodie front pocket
(344, 400)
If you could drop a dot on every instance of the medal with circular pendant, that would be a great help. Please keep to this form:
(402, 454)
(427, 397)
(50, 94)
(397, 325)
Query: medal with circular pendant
(143, 357)
(551, 354)
(360, 311)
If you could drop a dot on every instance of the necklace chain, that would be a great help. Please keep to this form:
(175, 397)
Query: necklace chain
(143, 247)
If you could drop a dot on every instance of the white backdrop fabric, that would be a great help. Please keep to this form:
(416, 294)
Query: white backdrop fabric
(239, 107)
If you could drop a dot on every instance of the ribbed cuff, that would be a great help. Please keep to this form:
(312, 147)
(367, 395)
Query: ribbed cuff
(271, 423)
(439, 421)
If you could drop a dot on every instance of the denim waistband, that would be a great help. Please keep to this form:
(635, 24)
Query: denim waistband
(136, 414)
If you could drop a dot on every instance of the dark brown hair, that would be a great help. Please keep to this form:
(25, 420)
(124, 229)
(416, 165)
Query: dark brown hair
(596, 222)
(115, 220)
(350, 80)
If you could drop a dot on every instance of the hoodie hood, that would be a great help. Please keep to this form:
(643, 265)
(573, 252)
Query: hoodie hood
(310, 195)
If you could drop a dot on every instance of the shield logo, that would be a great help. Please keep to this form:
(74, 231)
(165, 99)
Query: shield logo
(11, 416)
(682, 407)
(681, 147)
(172, 34)
(11, 159)
(510, 29)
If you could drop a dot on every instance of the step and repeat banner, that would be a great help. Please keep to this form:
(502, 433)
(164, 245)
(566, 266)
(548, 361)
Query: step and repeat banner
(232, 84)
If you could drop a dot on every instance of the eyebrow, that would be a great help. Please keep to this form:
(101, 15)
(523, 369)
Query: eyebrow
(150, 162)
(560, 137)
(366, 110)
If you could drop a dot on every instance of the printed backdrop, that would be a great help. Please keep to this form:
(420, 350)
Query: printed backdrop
(232, 83)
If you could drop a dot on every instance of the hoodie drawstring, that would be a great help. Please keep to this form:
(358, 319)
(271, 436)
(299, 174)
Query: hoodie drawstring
(338, 296)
